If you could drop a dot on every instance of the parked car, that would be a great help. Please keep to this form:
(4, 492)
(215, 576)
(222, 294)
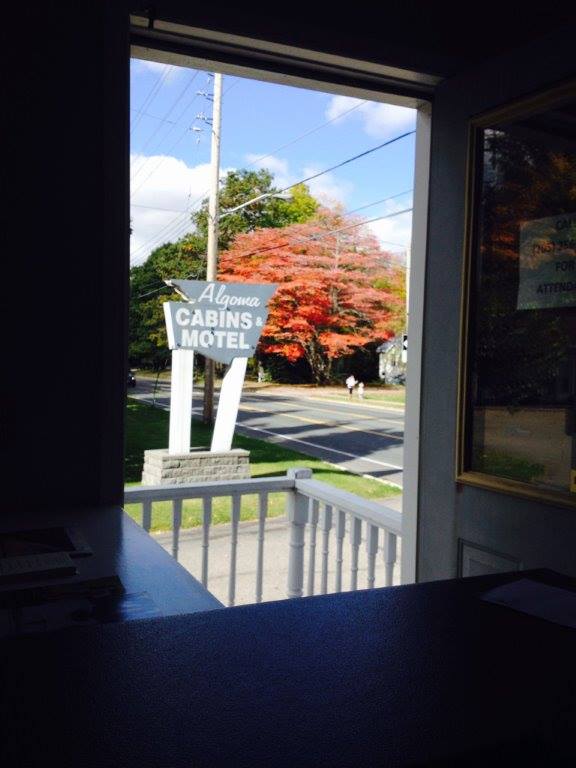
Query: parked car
(131, 379)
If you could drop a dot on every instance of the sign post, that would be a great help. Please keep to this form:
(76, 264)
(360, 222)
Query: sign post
(228, 404)
(181, 401)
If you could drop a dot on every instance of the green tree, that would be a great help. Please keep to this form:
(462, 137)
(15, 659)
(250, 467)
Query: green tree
(271, 212)
(147, 335)
(186, 258)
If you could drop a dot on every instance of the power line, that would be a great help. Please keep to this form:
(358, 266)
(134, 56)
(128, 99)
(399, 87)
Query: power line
(157, 208)
(321, 235)
(324, 234)
(169, 230)
(356, 210)
(256, 160)
(152, 95)
(302, 181)
(152, 117)
(160, 162)
(378, 202)
(163, 158)
(164, 286)
(174, 228)
(349, 160)
(347, 213)
(181, 226)
(228, 89)
(167, 115)
(307, 133)
(173, 146)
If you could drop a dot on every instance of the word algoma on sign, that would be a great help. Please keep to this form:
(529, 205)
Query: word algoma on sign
(220, 320)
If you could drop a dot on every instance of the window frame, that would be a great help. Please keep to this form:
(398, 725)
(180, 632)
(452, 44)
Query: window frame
(519, 108)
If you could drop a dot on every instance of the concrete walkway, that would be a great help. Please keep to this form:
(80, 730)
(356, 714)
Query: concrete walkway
(276, 546)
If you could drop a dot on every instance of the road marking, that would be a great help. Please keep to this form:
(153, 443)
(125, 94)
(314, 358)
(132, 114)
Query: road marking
(358, 404)
(164, 386)
(326, 401)
(299, 403)
(323, 423)
(313, 445)
(339, 413)
(345, 402)
(321, 447)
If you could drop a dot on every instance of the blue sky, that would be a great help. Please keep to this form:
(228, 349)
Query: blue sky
(170, 161)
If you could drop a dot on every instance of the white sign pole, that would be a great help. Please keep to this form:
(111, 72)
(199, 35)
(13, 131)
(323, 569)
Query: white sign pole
(181, 401)
(228, 404)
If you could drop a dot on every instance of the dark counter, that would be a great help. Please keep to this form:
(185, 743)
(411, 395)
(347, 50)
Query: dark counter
(414, 675)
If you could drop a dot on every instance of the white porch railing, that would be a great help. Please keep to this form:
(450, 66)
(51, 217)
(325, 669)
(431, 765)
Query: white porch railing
(311, 507)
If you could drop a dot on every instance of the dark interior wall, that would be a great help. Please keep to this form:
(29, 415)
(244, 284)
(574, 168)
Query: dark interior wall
(65, 219)
(65, 223)
(535, 534)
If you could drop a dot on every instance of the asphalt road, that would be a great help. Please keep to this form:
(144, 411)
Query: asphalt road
(362, 438)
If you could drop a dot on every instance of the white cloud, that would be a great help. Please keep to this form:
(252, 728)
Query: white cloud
(160, 210)
(328, 189)
(172, 185)
(276, 165)
(165, 189)
(339, 105)
(394, 233)
(171, 72)
(378, 120)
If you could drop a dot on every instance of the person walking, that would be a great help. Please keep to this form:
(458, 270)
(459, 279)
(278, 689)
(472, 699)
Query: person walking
(351, 383)
(361, 390)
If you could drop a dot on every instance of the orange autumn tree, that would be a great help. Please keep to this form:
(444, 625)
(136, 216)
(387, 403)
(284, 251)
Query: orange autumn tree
(338, 290)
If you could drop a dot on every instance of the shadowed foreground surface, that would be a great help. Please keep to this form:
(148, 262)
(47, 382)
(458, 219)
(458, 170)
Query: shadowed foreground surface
(413, 675)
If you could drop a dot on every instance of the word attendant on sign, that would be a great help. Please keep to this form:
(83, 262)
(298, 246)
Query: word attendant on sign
(207, 323)
(547, 257)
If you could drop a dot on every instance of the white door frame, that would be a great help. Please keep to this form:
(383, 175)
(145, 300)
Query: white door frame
(182, 45)
(417, 281)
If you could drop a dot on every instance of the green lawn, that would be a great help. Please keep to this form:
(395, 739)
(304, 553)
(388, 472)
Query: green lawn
(147, 427)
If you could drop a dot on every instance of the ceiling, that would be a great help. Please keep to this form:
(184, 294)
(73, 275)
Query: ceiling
(430, 37)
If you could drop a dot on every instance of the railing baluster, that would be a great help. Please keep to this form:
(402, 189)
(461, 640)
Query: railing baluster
(355, 539)
(176, 525)
(308, 502)
(371, 551)
(262, 514)
(206, 523)
(233, 547)
(297, 514)
(313, 514)
(340, 534)
(325, 526)
(390, 540)
(147, 515)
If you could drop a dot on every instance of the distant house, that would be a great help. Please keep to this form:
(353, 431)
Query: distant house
(391, 363)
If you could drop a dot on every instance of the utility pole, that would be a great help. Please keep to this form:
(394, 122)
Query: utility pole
(213, 217)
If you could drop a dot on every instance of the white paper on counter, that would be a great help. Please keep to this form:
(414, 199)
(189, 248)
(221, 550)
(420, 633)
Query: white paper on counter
(542, 600)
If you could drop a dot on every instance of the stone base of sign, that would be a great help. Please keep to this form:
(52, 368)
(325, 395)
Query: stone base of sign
(197, 466)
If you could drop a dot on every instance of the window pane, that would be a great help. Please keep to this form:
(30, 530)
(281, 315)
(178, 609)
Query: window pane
(523, 306)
